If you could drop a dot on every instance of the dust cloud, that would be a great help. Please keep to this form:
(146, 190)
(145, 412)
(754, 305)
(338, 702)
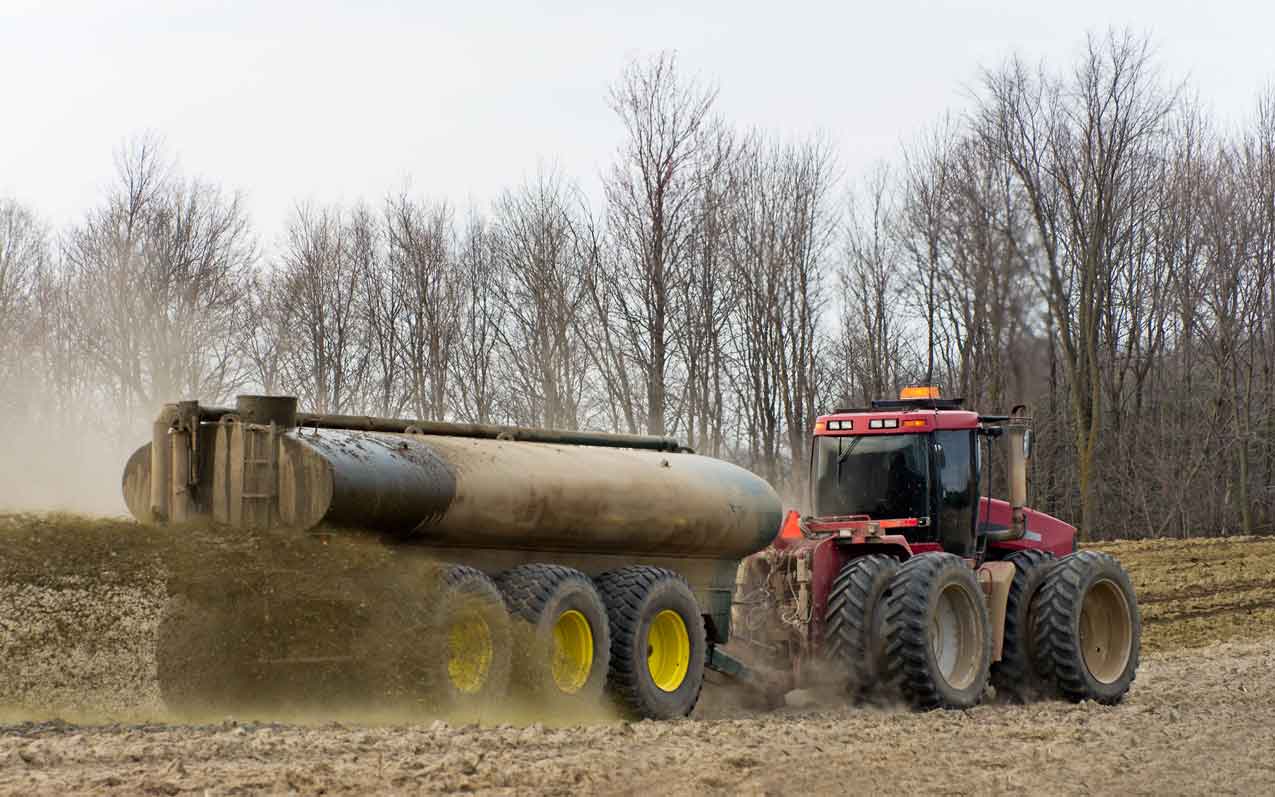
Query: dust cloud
(75, 465)
(276, 626)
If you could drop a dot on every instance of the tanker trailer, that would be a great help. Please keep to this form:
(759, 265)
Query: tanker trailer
(565, 562)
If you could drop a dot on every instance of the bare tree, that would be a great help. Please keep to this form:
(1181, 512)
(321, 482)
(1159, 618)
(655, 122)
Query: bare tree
(321, 294)
(781, 228)
(475, 388)
(708, 296)
(160, 273)
(651, 211)
(422, 258)
(1079, 148)
(543, 290)
(25, 259)
(870, 336)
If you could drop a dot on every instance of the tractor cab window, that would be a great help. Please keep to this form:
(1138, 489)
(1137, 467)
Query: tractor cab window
(881, 476)
(958, 489)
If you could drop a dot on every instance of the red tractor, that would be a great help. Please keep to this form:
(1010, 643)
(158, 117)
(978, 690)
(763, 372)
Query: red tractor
(908, 575)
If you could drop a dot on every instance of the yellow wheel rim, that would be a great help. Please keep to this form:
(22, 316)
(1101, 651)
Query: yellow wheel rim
(572, 651)
(469, 653)
(668, 650)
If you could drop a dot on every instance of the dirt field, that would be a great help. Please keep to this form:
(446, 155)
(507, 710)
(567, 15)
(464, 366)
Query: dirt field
(1200, 719)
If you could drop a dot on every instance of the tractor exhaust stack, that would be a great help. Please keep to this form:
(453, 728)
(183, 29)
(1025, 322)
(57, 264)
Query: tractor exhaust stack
(1018, 444)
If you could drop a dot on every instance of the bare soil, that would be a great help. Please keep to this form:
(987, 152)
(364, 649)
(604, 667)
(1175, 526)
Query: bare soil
(80, 712)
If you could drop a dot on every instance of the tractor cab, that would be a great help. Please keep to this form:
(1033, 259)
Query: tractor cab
(907, 574)
(921, 467)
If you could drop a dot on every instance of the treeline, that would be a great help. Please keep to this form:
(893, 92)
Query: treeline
(1083, 240)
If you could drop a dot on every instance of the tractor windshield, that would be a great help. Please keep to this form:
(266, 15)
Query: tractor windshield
(883, 476)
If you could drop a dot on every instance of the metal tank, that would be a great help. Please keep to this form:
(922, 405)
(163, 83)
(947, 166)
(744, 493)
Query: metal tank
(489, 496)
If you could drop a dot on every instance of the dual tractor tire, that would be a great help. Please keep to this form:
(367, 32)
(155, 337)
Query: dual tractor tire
(854, 627)
(920, 627)
(1071, 628)
(1087, 628)
(940, 641)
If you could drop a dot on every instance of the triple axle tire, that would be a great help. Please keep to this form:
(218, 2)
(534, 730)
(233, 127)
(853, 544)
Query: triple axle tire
(1087, 628)
(565, 642)
(940, 642)
(854, 624)
(447, 647)
(658, 642)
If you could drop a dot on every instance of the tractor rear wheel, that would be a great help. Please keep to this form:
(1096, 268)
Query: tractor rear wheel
(854, 628)
(658, 642)
(1017, 675)
(940, 642)
(567, 646)
(1088, 630)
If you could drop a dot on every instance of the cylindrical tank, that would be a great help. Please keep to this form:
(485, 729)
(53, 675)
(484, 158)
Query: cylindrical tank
(453, 491)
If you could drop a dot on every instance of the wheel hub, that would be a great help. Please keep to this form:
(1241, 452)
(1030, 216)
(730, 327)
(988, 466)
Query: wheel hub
(668, 650)
(1106, 631)
(955, 637)
(572, 651)
(470, 651)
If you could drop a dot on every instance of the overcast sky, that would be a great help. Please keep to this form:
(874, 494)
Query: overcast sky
(324, 100)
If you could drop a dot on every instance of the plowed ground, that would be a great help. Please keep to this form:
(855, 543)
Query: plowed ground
(77, 637)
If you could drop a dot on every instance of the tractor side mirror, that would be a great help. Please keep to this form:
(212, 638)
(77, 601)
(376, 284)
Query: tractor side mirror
(939, 456)
(1028, 439)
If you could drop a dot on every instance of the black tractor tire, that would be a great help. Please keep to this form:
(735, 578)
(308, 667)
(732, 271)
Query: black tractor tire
(563, 641)
(658, 642)
(935, 602)
(447, 649)
(1088, 630)
(854, 622)
(1017, 677)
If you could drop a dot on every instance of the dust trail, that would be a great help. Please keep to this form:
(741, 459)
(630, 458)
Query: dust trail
(83, 603)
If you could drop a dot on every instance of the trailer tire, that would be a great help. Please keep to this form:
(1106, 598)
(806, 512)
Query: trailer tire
(1018, 676)
(565, 644)
(854, 623)
(940, 643)
(658, 642)
(1088, 630)
(479, 638)
(447, 647)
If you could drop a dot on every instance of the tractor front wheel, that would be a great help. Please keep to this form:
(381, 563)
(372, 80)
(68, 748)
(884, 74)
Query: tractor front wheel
(940, 642)
(1088, 630)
